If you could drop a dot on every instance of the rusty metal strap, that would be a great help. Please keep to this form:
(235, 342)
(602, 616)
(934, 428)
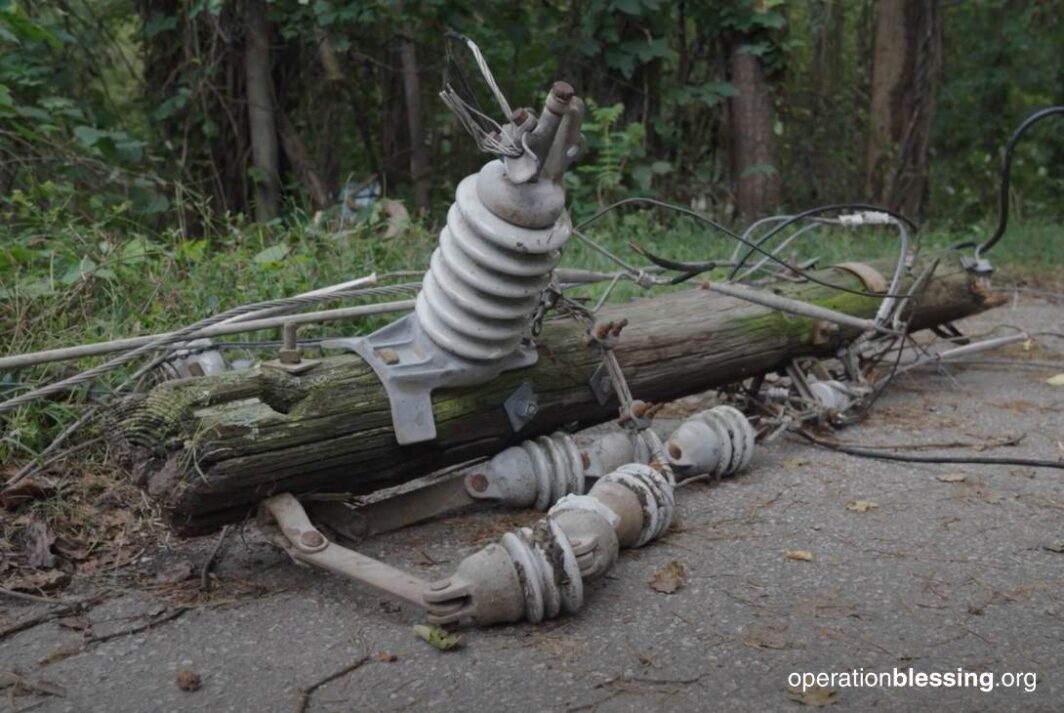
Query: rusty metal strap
(870, 277)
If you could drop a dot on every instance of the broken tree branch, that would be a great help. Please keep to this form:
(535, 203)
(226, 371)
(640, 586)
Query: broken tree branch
(306, 693)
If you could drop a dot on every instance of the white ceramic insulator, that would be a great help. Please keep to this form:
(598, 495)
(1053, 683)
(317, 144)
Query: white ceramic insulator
(655, 495)
(558, 466)
(591, 527)
(485, 277)
(536, 473)
(547, 568)
(608, 453)
(777, 394)
(537, 573)
(831, 394)
(718, 441)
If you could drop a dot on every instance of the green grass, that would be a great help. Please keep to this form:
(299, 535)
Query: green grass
(65, 281)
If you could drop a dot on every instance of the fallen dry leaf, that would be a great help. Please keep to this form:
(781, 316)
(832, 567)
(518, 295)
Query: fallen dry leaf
(36, 581)
(1057, 380)
(177, 572)
(437, 637)
(953, 477)
(386, 656)
(63, 652)
(813, 696)
(669, 578)
(1055, 546)
(800, 555)
(767, 638)
(795, 462)
(78, 622)
(26, 490)
(188, 680)
(861, 505)
(22, 685)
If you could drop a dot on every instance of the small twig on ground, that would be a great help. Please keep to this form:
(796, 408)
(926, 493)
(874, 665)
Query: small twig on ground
(155, 621)
(882, 454)
(32, 621)
(37, 599)
(19, 683)
(37, 619)
(65, 608)
(306, 693)
(205, 572)
(36, 465)
(713, 477)
(1010, 440)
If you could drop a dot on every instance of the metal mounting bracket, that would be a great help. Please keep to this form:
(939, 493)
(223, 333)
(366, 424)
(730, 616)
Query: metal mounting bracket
(296, 534)
(601, 385)
(521, 406)
(411, 367)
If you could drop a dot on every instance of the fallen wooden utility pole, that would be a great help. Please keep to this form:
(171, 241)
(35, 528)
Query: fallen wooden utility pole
(209, 448)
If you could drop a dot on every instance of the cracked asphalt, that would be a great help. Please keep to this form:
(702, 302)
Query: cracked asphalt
(948, 567)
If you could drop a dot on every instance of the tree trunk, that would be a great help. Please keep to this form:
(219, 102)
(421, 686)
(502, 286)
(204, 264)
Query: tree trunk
(301, 162)
(419, 153)
(755, 171)
(906, 59)
(261, 121)
(208, 448)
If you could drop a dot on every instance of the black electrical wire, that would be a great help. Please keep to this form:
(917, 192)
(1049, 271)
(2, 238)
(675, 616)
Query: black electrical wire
(691, 269)
(1006, 175)
(690, 212)
(813, 212)
(979, 460)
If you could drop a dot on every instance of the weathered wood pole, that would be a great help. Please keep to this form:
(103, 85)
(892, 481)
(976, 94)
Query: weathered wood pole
(209, 448)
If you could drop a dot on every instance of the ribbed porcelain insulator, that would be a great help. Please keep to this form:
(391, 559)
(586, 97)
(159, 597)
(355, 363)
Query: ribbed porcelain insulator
(719, 441)
(548, 570)
(485, 278)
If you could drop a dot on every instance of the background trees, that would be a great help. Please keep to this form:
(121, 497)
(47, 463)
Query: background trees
(184, 109)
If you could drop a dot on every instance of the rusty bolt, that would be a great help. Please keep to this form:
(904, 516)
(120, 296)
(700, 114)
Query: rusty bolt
(478, 482)
(563, 91)
(289, 352)
(519, 117)
(312, 538)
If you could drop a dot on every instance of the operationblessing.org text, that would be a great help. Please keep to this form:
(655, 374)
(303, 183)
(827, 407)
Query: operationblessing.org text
(985, 681)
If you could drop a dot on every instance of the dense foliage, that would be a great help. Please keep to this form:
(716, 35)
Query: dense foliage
(135, 107)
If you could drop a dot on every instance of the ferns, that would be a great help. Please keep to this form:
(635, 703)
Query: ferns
(614, 162)
(608, 163)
